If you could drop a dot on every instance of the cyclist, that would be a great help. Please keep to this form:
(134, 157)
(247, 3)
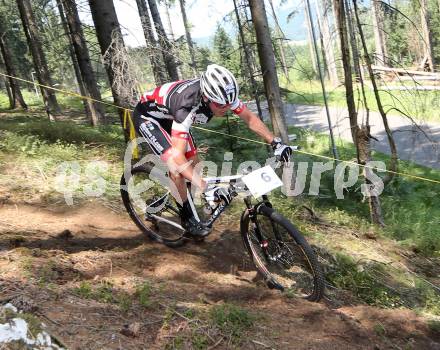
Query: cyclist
(164, 117)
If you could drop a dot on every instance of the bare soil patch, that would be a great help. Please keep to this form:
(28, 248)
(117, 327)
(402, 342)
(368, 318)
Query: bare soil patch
(98, 283)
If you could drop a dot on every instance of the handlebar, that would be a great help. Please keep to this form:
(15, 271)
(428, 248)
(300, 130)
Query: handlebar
(232, 180)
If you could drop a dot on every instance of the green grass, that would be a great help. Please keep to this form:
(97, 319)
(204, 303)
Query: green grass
(206, 324)
(105, 292)
(84, 290)
(434, 326)
(379, 329)
(380, 285)
(231, 319)
(143, 293)
(362, 281)
(67, 132)
(33, 148)
(420, 105)
(65, 101)
(31, 99)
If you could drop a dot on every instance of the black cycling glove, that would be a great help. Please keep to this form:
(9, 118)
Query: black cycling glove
(281, 151)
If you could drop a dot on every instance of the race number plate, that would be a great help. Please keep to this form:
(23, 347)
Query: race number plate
(262, 181)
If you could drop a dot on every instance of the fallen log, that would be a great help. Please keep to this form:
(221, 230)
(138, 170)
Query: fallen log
(403, 88)
(405, 71)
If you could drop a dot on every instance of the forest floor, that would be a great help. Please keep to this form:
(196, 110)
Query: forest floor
(96, 282)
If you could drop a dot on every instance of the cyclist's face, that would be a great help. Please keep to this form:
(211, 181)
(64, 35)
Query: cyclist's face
(218, 109)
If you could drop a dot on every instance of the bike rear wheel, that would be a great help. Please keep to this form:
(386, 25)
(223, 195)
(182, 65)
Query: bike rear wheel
(281, 254)
(150, 205)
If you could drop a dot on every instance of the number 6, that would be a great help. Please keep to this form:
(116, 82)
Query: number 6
(265, 177)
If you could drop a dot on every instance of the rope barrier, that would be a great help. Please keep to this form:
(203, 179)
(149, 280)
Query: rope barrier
(62, 91)
(127, 117)
(328, 158)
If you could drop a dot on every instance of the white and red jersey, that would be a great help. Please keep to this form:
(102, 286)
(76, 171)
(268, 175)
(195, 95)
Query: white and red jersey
(181, 102)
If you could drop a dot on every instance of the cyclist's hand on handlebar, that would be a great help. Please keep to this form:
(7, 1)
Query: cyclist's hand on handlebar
(216, 194)
(281, 151)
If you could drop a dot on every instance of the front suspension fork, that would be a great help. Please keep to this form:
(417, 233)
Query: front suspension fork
(252, 210)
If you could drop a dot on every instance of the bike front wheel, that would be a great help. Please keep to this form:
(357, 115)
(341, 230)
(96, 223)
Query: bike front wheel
(281, 253)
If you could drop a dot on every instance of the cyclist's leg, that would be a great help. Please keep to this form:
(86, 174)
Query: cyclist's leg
(193, 159)
(159, 140)
(157, 134)
(190, 218)
(178, 179)
(188, 213)
(192, 156)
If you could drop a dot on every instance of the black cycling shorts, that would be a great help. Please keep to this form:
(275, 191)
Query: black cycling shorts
(157, 132)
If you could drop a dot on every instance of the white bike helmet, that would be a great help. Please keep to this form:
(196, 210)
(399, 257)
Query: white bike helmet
(219, 85)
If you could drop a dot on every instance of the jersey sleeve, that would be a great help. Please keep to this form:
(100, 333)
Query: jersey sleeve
(181, 105)
(238, 106)
(182, 122)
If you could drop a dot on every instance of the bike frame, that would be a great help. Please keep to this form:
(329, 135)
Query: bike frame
(221, 207)
(232, 181)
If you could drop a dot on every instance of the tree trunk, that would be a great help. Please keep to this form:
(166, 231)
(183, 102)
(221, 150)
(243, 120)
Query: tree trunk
(364, 151)
(4, 80)
(170, 24)
(108, 29)
(168, 4)
(81, 55)
(328, 42)
(248, 58)
(155, 58)
(280, 41)
(322, 43)
(346, 62)
(9, 93)
(353, 44)
(14, 89)
(76, 69)
(164, 43)
(188, 36)
(268, 67)
(394, 160)
(41, 69)
(379, 34)
(427, 35)
(361, 136)
(310, 36)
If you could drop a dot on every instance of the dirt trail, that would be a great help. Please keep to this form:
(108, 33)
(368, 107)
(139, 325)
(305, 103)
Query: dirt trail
(46, 253)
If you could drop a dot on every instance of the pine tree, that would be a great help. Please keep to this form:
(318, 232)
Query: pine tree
(268, 67)
(16, 97)
(81, 54)
(34, 42)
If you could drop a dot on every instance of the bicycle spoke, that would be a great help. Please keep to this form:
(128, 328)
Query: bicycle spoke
(284, 258)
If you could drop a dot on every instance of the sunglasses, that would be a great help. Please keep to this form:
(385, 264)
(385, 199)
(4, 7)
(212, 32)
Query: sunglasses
(219, 105)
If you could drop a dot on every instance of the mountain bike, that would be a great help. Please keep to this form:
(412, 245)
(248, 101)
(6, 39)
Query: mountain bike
(278, 250)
